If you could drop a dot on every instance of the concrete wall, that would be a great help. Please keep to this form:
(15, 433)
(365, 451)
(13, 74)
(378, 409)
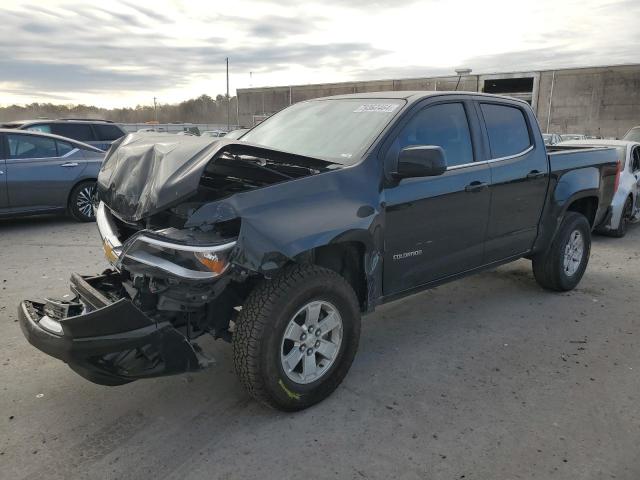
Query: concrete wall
(603, 101)
(595, 101)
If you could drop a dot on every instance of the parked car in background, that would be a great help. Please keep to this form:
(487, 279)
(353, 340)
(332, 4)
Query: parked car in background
(235, 134)
(572, 136)
(99, 133)
(213, 133)
(328, 209)
(43, 173)
(633, 135)
(625, 206)
(551, 138)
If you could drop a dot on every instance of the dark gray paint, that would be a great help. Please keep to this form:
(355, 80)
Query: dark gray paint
(451, 219)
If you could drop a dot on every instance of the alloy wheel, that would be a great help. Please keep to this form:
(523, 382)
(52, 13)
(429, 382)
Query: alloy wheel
(311, 342)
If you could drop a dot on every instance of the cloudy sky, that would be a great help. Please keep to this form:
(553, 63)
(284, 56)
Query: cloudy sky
(125, 52)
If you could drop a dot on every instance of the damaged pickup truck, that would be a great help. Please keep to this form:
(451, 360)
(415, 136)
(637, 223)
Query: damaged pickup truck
(279, 241)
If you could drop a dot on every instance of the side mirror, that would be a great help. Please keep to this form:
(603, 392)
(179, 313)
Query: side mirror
(421, 161)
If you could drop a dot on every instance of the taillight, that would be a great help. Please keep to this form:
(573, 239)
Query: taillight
(617, 182)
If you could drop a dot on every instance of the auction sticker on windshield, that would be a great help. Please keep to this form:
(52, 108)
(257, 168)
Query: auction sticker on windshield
(376, 107)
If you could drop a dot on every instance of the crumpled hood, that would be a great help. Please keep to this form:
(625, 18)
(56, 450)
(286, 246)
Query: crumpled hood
(144, 173)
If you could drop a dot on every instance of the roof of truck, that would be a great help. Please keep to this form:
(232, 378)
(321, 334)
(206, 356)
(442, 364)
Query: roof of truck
(415, 95)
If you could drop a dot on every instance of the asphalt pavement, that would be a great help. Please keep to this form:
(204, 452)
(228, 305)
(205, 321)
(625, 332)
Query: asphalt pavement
(486, 378)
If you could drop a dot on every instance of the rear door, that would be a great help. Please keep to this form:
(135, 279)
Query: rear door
(635, 169)
(40, 171)
(4, 198)
(519, 178)
(435, 227)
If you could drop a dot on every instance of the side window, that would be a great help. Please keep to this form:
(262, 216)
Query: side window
(31, 146)
(507, 129)
(41, 127)
(64, 148)
(107, 132)
(636, 159)
(77, 131)
(444, 125)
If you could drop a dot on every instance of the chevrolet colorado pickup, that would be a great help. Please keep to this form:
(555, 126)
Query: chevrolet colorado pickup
(279, 242)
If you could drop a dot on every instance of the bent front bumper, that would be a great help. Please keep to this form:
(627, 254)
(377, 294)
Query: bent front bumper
(110, 342)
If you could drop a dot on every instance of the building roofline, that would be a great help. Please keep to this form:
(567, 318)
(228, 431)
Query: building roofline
(433, 77)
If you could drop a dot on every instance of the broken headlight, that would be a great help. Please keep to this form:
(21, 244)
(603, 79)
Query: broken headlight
(194, 262)
(188, 254)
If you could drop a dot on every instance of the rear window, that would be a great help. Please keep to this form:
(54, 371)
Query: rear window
(64, 148)
(507, 129)
(77, 131)
(108, 132)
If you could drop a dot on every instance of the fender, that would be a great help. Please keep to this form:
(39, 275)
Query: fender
(275, 230)
(565, 188)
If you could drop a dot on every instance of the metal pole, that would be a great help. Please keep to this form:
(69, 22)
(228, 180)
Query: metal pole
(553, 81)
(155, 109)
(228, 99)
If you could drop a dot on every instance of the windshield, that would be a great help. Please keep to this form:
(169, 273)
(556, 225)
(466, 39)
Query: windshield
(336, 130)
(633, 135)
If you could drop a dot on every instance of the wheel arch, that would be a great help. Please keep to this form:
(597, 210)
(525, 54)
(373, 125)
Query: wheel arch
(73, 187)
(586, 205)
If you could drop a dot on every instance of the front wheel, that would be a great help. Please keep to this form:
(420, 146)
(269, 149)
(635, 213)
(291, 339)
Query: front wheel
(296, 337)
(562, 265)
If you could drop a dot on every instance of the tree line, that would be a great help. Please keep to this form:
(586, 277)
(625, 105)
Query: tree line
(204, 109)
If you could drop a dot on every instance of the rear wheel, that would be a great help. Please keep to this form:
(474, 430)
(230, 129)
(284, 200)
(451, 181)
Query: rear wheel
(625, 220)
(82, 201)
(561, 267)
(296, 337)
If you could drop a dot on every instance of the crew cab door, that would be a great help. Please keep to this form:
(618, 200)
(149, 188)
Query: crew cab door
(4, 199)
(519, 178)
(40, 171)
(436, 226)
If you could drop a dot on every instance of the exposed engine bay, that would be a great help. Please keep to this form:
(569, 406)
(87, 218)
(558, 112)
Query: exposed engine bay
(173, 277)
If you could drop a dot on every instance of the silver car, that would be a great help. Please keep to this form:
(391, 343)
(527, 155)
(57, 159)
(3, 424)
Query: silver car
(625, 206)
(43, 173)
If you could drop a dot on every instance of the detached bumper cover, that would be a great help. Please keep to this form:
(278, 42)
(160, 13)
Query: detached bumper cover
(112, 344)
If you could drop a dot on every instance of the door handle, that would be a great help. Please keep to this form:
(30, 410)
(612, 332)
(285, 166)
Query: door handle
(69, 164)
(533, 174)
(476, 186)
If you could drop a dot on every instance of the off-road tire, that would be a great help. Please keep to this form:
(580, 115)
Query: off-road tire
(74, 209)
(625, 219)
(548, 266)
(260, 328)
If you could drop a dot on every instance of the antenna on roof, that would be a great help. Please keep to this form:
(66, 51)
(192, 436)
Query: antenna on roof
(461, 72)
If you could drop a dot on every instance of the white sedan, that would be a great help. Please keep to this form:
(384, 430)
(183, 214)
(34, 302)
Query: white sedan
(625, 206)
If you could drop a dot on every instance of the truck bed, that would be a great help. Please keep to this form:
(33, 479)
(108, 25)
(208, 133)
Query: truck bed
(562, 158)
